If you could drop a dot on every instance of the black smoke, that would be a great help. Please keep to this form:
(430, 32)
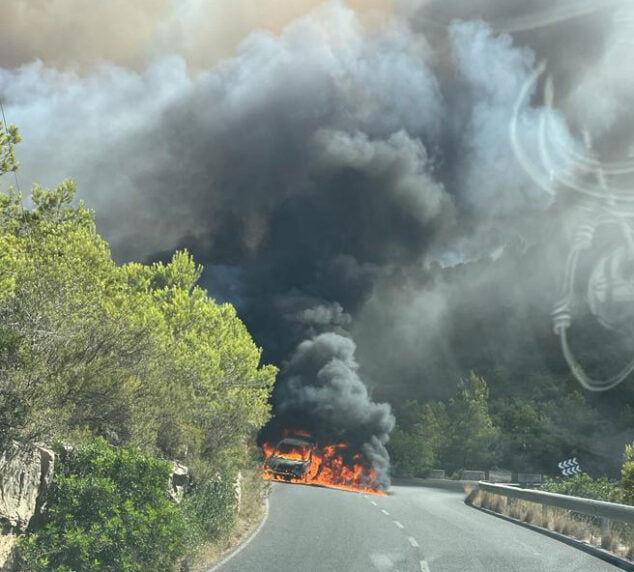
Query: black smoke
(351, 188)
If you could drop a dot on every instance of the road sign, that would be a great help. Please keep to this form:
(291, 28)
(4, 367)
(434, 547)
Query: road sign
(570, 467)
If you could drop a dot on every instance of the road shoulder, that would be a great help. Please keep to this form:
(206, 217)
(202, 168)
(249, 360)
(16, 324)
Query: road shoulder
(215, 554)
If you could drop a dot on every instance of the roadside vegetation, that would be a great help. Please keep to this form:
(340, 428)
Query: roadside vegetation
(108, 511)
(130, 366)
(601, 488)
(250, 515)
(585, 486)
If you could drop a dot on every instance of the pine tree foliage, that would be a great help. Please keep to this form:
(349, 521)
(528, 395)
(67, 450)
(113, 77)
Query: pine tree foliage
(128, 363)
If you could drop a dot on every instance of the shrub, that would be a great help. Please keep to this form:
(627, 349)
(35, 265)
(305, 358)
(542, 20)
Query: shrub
(583, 485)
(627, 475)
(210, 507)
(107, 510)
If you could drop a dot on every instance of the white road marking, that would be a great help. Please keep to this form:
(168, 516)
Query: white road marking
(412, 541)
(424, 567)
(385, 512)
(384, 562)
(397, 523)
(372, 502)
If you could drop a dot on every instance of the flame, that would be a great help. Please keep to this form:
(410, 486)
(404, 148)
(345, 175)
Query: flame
(331, 466)
(297, 433)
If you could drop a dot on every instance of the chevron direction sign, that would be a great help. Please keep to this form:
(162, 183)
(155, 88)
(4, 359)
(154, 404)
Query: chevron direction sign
(570, 467)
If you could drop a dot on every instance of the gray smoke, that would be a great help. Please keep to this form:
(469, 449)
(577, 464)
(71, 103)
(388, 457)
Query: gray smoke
(348, 178)
(322, 383)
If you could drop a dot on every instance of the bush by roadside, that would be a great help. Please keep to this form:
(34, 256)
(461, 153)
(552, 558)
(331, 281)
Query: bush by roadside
(210, 508)
(583, 485)
(627, 474)
(107, 510)
(247, 518)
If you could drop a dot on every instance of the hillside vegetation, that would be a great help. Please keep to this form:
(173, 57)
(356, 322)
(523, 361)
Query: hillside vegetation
(135, 355)
(496, 424)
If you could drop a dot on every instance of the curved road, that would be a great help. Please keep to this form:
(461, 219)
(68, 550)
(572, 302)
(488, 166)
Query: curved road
(413, 529)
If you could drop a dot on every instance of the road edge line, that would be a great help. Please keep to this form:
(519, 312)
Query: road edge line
(587, 548)
(246, 543)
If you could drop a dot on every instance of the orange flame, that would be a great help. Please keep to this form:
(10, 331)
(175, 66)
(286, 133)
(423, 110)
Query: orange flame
(297, 433)
(328, 468)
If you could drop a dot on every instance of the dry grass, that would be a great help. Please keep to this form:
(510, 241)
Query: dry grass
(254, 490)
(620, 540)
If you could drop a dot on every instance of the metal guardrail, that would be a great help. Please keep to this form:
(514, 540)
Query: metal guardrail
(491, 476)
(530, 478)
(590, 507)
(605, 511)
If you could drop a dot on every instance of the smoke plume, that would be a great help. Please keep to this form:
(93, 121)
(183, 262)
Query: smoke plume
(364, 180)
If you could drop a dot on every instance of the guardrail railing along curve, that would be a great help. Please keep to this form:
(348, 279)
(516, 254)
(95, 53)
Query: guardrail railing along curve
(606, 511)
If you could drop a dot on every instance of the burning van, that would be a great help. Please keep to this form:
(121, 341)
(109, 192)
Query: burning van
(298, 459)
(290, 460)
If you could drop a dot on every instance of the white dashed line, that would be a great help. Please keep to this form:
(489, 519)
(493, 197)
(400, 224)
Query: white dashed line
(385, 512)
(397, 523)
(424, 567)
(412, 541)
(373, 503)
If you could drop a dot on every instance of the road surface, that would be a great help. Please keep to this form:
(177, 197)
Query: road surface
(312, 529)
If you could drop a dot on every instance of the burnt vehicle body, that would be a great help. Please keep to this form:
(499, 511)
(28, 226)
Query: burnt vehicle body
(291, 460)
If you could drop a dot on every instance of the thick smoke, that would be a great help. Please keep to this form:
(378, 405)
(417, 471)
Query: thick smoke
(322, 379)
(349, 179)
(80, 34)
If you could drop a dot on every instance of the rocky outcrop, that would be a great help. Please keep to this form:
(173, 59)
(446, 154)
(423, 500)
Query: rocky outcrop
(7, 547)
(179, 480)
(237, 487)
(25, 474)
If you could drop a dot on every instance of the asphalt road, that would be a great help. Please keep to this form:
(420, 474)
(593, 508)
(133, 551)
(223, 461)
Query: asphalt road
(311, 529)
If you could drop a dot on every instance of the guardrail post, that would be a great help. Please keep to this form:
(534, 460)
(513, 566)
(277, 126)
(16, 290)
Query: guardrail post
(605, 531)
